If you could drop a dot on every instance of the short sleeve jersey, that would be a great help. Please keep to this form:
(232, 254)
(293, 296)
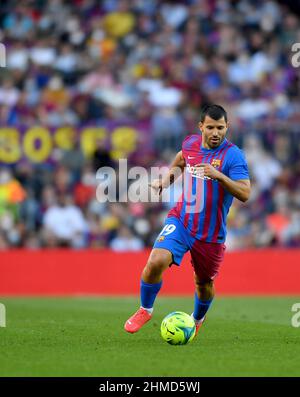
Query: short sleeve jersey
(204, 204)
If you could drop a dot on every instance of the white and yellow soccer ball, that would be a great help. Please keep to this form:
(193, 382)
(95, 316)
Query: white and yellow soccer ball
(178, 328)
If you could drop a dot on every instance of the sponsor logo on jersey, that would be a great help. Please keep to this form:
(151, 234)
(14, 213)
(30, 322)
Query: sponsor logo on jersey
(196, 171)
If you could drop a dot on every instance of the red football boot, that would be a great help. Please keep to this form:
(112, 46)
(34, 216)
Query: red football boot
(135, 322)
(198, 325)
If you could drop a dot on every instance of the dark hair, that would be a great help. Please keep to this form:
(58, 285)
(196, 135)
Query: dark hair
(216, 112)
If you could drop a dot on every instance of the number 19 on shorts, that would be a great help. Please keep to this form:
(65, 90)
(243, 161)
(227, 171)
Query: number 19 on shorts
(168, 229)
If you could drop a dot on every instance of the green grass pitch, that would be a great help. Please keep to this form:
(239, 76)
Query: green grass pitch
(243, 336)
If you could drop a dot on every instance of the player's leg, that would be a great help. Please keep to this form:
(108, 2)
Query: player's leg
(206, 260)
(159, 260)
(169, 248)
(204, 295)
(151, 282)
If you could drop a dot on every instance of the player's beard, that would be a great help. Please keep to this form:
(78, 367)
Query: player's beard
(214, 142)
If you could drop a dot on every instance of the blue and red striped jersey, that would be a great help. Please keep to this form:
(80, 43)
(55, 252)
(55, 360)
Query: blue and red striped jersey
(204, 204)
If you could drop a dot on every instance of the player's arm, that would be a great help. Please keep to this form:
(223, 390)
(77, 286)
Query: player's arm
(175, 170)
(240, 189)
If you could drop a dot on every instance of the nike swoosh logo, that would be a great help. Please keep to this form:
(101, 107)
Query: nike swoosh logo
(173, 333)
(189, 157)
(129, 322)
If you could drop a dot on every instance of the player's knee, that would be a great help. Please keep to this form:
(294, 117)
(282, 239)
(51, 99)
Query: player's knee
(204, 286)
(158, 262)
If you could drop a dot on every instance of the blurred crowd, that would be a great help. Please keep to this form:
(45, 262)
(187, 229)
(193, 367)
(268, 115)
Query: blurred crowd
(88, 61)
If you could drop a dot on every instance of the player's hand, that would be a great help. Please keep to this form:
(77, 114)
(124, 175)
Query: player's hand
(157, 185)
(208, 171)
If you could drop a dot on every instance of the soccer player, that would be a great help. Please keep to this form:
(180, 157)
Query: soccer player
(215, 171)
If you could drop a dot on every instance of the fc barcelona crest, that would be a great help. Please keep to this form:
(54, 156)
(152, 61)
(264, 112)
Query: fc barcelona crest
(216, 163)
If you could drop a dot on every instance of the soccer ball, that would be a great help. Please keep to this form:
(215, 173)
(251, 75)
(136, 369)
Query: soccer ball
(178, 328)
